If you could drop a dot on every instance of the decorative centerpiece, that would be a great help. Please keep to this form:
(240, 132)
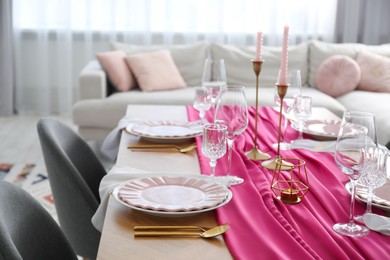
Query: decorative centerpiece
(292, 188)
(282, 87)
(256, 154)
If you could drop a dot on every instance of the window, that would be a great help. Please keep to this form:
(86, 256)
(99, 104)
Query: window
(305, 17)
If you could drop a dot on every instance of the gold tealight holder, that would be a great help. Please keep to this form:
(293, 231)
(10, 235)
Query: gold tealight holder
(292, 188)
(256, 154)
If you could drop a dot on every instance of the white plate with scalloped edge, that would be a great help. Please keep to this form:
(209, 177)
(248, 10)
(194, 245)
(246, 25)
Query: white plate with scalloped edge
(172, 196)
(166, 131)
(381, 198)
(327, 129)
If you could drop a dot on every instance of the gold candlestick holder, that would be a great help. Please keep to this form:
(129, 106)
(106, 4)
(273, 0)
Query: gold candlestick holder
(256, 154)
(292, 189)
(271, 164)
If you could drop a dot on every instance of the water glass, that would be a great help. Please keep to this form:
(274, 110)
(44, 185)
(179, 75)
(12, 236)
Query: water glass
(294, 89)
(349, 157)
(202, 101)
(214, 143)
(214, 77)
(375, 176)
(302, 111)
(232, 110)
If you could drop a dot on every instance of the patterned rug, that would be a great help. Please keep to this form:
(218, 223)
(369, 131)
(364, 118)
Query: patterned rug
(30, 177)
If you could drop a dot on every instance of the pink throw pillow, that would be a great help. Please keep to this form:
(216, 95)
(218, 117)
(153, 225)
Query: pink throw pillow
(114, 64)
(338, 75)
(375, 72)
(155, 71)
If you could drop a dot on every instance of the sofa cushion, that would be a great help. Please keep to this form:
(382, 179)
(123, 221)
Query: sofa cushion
(338, 75)
(375, 72)
(319, 51)
(239, 69)
(155, 71)
(188, 58)
(119, 74)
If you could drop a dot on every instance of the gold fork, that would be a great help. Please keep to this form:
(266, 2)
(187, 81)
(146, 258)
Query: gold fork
(182, 149)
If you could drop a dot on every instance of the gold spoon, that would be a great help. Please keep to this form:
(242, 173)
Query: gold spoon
(209, 233)
(182, 149)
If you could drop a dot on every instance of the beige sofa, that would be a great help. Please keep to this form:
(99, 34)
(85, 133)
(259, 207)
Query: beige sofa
(97, 113)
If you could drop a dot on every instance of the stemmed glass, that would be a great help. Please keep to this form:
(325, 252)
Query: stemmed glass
(214, 143)
(214, 77)
(375, 174)
(302, 112)
(202, 101)
(357, 132)
(232, 110)
(294, 90)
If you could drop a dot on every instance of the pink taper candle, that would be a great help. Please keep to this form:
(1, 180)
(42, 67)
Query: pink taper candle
(283, 65)
(259, 45)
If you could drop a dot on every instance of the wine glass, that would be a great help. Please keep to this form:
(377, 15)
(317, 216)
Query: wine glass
(214, 143)
(302, 112)
(202, 101)
(294, 89)
(214, 77)
(375, 174)
(357, 132)
(232, 110)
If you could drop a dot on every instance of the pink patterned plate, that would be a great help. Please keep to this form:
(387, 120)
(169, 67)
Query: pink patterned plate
(166, 130)
(172, 193)
(381, 198)
(327, 129)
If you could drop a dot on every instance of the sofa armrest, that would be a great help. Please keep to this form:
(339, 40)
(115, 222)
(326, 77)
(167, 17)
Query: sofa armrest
(92, 81)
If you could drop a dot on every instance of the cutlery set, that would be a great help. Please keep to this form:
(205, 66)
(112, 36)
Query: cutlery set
(174, 231)
(179, 231)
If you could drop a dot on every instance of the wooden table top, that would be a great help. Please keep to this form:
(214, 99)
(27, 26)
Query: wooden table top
(117, 240)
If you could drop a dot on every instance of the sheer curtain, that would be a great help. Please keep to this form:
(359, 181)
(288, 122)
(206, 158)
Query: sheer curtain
(6, 59)
(54, 39)
(363, 21)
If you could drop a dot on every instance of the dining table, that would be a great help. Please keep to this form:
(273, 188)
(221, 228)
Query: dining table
(261, 226)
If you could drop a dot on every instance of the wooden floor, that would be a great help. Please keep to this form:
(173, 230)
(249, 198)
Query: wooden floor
(19, 141)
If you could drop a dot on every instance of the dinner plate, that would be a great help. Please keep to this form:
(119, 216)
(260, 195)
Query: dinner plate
(172, 195)
(166, 130)
(327, 129)
(380, 199)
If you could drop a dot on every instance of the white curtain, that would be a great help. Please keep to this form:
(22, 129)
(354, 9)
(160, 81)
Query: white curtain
(54, 39)
(363, 21)
(6, 59)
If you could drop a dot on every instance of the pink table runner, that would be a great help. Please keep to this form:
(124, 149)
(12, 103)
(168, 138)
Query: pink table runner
(264, 227)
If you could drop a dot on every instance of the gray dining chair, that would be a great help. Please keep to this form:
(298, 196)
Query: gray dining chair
(27, 230)
(74, 173)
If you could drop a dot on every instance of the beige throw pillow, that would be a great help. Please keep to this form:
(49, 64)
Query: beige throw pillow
(375, 72)
(118, 72)
(189, 58)
(155, 71)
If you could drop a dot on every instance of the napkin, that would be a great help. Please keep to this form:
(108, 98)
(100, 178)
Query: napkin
(377, 223)
(316, 146)
(110, 144)
(117, 174)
